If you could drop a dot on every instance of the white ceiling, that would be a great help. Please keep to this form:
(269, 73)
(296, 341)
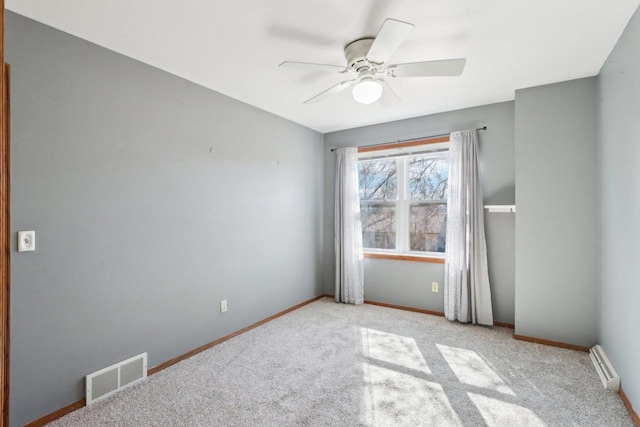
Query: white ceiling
(234, 47)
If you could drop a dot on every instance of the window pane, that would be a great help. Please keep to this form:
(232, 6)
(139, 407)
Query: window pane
(378, 180)
(428, 177)
(378, 225)
(427, 227)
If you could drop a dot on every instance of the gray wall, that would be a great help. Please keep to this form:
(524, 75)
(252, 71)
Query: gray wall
(140, 229)
(557, 219)
(619, 89)
(409, 283)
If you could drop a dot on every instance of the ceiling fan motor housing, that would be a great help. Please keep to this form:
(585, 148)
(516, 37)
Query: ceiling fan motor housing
(356, 53)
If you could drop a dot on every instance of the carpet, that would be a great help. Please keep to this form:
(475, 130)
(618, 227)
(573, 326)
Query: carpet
(329, 364)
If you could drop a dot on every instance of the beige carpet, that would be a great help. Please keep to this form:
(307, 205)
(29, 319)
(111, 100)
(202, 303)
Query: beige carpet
(330, 364)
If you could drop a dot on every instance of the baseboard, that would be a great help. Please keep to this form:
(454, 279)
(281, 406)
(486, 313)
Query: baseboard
(551, 343)
(420, 310)
(629, 406)
(504, 325)
(397, 307)
(81, 403)
(401, 307)
(57, 414)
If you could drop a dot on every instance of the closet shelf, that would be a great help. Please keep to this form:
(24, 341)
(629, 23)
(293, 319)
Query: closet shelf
(501, 208)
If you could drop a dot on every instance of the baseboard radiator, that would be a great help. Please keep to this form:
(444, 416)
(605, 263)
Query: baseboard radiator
(103, 383)
(604, 368)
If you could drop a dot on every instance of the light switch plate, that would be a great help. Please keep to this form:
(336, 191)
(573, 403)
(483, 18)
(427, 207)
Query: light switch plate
(26, 241)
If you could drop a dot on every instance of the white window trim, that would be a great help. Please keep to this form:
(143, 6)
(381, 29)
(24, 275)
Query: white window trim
(402, 208)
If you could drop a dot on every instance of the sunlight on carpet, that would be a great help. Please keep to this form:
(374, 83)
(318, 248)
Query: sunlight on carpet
(470, 369)
(391, 396)
(498, 413)
(395, 385)
(392, 348)
(395, 398)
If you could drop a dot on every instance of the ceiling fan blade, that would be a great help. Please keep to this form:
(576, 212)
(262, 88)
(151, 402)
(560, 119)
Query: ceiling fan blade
(391, 35)
(313, 67)
(389, 97)
(331, 91)
(447, 67)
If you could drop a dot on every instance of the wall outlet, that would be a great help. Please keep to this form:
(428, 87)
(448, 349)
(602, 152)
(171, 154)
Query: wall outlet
(223, 306)
(434, 286)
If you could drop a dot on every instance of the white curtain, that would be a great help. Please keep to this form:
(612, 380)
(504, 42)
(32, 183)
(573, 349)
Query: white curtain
(348, 229)
(467, 296)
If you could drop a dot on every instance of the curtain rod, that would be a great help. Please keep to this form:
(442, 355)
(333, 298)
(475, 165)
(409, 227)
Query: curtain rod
(409, 140)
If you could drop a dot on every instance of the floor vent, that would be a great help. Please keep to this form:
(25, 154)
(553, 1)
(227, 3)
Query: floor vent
(105, 382)
(607, 374)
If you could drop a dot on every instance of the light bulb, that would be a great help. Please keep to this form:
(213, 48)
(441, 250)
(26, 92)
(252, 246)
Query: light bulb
(367, 91)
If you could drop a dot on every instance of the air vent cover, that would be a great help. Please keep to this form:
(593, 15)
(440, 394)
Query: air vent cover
(106, 381)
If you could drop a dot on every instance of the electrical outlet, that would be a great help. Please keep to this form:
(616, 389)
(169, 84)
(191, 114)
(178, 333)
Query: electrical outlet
(434, 286)
(223, 306)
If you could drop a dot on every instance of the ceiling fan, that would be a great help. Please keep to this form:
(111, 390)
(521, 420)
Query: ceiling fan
(366, 58)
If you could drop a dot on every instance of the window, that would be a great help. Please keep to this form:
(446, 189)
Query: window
(403, 203)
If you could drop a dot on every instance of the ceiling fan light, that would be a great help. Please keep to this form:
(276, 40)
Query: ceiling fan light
(367, 91)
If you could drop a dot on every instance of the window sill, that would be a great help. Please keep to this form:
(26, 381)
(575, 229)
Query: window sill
(405, 257)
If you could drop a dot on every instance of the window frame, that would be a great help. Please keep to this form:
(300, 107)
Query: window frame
(402, 153)
(395, 203)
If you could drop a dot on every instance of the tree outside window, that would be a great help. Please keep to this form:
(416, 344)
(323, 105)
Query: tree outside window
(403, 203)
